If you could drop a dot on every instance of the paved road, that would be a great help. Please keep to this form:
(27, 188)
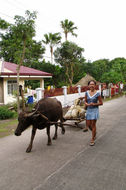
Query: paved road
(70, 163)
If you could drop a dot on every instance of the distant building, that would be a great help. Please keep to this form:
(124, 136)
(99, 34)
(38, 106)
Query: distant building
(8, 79)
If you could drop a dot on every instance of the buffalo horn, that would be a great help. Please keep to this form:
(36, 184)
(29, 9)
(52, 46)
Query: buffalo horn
(32, 113)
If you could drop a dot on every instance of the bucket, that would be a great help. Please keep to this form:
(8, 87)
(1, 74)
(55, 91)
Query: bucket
(30, 99)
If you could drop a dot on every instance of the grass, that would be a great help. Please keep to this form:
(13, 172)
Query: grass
(7, 127)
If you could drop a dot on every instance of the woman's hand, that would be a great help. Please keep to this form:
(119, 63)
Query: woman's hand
(86, 104)
(92, 104)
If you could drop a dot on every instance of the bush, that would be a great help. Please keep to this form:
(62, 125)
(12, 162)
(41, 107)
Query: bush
(5, 113)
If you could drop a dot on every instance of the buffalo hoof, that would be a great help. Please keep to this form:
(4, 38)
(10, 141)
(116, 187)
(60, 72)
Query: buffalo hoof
(49, 143)
(28, 150)
(55, 137)
(63, 131)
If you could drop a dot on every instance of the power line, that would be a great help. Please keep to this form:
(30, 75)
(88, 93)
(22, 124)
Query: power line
(6, 15)
(15, 5)
(21, 4)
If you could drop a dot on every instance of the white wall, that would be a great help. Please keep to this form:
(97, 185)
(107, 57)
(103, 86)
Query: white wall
(10, 98)
(69, 99)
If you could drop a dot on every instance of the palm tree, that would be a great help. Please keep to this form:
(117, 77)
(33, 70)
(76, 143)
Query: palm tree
(68, 27)
(52, 40)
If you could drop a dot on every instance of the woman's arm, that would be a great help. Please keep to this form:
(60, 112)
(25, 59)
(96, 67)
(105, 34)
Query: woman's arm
(86, 104)
(100, 100)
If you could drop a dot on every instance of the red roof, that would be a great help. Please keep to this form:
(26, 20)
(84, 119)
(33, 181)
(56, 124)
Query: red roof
(11, 69)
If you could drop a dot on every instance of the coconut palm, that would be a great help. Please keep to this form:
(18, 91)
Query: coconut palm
(68, 27)
(52, 40)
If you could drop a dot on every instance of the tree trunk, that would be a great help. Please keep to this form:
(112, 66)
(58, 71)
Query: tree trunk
(18, 78)
(66, 36)
(51, 50)
(67, 74)
(18, 74)
(72, 72)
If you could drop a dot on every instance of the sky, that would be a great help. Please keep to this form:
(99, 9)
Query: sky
(101, 23)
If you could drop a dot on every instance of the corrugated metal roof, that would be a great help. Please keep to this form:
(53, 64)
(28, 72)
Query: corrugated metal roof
(11, 69)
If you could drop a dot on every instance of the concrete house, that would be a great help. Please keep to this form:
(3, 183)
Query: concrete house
(8, 79)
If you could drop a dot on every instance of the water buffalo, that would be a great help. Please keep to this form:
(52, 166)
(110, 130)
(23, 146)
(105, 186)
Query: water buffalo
(46, 109)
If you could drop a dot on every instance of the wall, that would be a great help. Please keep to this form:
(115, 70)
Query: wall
(1, 91)
(9, 98)
(69, 99)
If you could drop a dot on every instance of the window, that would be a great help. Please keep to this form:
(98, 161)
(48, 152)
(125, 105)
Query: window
(11, 86)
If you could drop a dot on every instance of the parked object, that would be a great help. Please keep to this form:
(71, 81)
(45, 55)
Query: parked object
(76, 112)
(47, 112)
(30, 99)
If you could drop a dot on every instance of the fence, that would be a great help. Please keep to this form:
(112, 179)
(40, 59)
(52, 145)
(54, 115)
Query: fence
(70, 90)
(53, 92)
(110, 92)
(66, 95)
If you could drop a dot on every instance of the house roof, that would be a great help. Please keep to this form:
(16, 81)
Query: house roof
(10, 69)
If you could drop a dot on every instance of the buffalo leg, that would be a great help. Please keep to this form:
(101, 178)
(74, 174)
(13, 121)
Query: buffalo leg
(61, 125)
(31, 142)
(55, 135)
(48, 134)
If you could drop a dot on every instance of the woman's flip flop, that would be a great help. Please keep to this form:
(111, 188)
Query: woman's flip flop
(92, 143)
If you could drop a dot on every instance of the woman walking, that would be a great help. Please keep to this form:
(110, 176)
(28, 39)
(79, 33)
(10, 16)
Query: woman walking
(92, 101)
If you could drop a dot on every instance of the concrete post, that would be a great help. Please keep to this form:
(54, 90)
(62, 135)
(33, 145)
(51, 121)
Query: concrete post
(79, 89)
(39, 93)
(65, 95)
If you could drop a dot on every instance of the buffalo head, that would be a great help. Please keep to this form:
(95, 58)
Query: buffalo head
(24, 121)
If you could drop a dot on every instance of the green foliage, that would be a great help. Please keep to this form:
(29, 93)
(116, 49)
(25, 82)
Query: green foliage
(5, 113)
(99, 67)
(80, 71)
(112, 77)
(33, 83)
(119, 65)
(52, 40)
(3, 24)
(13, 105)
(11, 42)
(56, 71)
(69, 55)
(68, 27)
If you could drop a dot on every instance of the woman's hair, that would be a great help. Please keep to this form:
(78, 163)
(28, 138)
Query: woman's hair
(92, 81)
